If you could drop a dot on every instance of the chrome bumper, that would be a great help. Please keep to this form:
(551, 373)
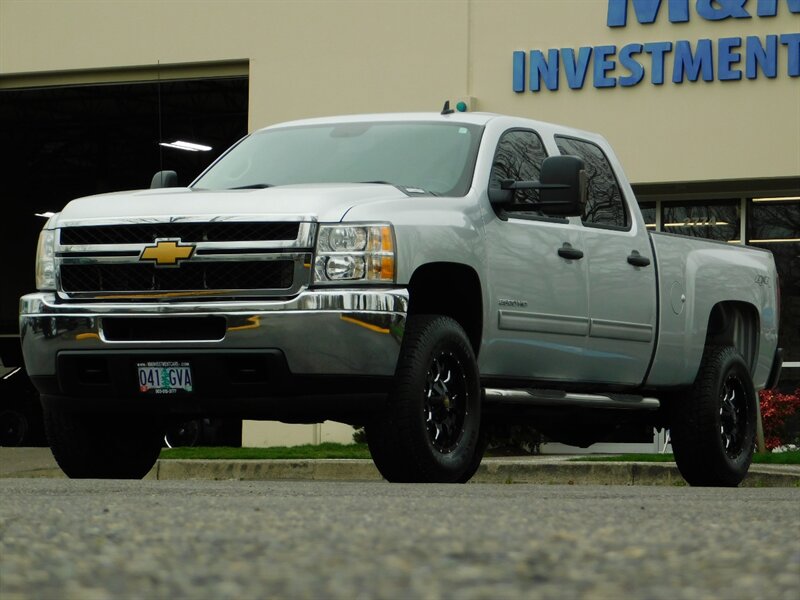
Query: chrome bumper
(330, 332)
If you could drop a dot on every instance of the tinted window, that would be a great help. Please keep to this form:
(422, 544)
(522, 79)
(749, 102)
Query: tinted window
(519, 156)
(604, 205)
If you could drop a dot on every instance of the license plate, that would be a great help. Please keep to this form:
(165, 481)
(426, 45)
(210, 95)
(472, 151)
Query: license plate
(164, 377)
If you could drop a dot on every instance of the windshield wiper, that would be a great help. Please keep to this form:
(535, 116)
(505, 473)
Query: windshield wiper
(252, 186)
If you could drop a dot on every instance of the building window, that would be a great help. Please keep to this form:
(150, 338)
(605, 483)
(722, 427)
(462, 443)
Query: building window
(775, 225)
(649, 214)
(717, 220)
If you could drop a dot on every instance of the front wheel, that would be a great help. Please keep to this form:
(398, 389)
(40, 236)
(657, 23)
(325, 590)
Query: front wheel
(430, 431)
(713, 427)
(102, 446)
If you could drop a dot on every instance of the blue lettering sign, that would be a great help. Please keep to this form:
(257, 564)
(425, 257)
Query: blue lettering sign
(734, 55)
(769, 8)
(716, 10)
(576, 69)
(756, 55)
(603, 65)
(792, 43)
(544, 68)
(627, 60)
(646, 11)
(690, 65)
(519, 71)
(658, 51)
(726, 58)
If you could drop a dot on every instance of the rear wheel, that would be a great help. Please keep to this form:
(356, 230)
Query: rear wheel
(430, 431)
(713, 427)
(102, 446)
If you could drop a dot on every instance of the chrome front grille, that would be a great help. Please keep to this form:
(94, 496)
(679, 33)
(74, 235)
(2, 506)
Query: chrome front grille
(227, 258)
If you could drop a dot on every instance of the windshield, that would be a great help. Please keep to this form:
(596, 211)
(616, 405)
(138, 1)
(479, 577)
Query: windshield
(419, 157)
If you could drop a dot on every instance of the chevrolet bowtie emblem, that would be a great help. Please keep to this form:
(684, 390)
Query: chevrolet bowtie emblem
(167, 253)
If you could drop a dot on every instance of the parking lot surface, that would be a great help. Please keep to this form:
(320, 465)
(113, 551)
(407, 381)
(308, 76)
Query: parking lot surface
(236, 539)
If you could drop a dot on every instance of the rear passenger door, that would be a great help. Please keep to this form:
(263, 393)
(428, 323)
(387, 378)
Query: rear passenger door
(622, 288)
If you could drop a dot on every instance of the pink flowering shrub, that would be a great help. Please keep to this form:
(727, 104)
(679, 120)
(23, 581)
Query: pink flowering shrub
(776, 410)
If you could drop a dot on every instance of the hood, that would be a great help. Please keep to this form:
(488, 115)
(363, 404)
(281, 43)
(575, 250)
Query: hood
(308, 202)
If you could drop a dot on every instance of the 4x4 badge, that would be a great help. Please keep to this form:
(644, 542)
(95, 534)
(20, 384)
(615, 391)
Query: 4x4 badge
(167, 252)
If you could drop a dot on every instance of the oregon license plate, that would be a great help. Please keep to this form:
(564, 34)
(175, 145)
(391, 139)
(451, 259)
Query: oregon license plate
(164, 377)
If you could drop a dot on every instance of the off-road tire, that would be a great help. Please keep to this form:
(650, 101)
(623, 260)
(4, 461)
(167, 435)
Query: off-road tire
(89, 446)
(713, 426)
(430, 430)
(477, 457)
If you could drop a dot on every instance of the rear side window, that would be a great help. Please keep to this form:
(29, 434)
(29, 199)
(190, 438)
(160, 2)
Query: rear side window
(604, 204)
(519, 156)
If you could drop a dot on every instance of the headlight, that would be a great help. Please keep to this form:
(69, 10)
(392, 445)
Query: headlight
(355, 253)
(45, 261)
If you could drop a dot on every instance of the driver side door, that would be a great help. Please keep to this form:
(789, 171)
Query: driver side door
(538, 292)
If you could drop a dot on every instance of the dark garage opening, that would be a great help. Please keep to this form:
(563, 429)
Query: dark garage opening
(61, 143)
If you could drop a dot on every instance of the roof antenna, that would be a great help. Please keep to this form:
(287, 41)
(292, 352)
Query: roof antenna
(446, 110)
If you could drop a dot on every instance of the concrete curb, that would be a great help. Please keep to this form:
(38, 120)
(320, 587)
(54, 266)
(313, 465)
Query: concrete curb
(263, 470)
(491, 471)
(39, 463)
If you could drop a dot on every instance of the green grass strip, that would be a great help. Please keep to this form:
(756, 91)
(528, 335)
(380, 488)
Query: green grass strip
(333, 450)
(308, 451)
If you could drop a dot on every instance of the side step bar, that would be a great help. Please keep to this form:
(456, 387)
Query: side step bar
(555, 398)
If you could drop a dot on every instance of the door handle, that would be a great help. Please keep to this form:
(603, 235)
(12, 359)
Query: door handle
(637, 260)
(568, 252)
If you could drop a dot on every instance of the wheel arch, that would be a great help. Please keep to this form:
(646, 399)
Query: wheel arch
(735, 323)
(449, 289)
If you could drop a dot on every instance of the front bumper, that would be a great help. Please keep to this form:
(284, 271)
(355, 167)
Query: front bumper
(348, 332)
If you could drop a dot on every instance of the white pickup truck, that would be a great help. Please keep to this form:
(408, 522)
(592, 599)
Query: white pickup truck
(425, 275)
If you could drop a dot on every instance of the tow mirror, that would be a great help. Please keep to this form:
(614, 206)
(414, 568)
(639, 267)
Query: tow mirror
(565, 186)
(562, 188)
(164, 179)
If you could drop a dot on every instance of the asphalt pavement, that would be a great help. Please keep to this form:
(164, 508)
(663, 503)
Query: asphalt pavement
(97, 540)
(547, 469)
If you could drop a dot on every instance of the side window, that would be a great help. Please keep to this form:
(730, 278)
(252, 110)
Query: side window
(519, 156)
(604, 205)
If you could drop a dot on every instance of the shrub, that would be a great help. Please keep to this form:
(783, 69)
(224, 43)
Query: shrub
(776, 410)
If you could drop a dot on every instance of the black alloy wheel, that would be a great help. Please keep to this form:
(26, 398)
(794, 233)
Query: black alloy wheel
(733, 416)
(713, 424)
(430, 430)
(445, 405)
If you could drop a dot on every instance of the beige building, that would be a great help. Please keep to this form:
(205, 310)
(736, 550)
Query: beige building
(700, 99)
